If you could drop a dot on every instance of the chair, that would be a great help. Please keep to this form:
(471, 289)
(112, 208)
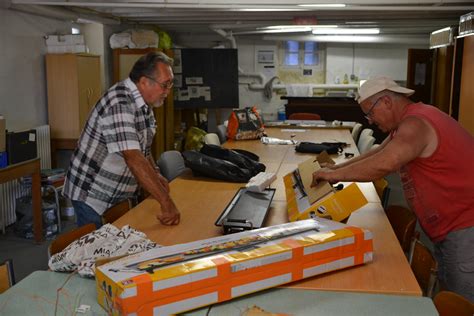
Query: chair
(305, 116)
(116, 211)
(449, 303)
(171, 164)
(424, 267)
(222, 133)
(365, 144)
(364, 134)
(7, 277)
(403, 223)
(383, 191)
(65, 239)
(356, 131)
(212, 139)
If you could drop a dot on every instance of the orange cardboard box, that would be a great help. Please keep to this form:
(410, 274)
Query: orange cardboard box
(183, 277)
(304, 202)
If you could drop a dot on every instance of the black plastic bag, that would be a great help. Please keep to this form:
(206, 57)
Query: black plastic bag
(205, 165)
(316, 148)
(241, 159)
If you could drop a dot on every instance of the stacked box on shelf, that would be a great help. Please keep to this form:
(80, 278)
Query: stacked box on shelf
(183, 277)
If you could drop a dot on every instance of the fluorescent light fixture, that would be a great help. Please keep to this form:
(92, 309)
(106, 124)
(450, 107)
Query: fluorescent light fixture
(442, 30)
(281, 27)
(75, 30)
(268, 9)
(324, 5)
(345, 38)
(344, 31)
(287, 30)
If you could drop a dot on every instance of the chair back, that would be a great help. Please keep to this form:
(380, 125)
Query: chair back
(222, 133)
(65, 239)
(424, 267)
(383, 191)
(7, 277)
(449, 303)
(305, 116)
(364, 134)
(212, 139)
(365, 144)
(403, 223)
(115, 212)
(171, 164)
(356, 131)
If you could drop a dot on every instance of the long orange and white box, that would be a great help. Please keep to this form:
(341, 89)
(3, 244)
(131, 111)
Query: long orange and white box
(183, 277)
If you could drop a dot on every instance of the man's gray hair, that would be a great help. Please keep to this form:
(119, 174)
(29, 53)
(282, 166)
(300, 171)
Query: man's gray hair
(146, 65)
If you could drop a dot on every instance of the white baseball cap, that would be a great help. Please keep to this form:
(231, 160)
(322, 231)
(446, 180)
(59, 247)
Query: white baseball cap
(376, 85)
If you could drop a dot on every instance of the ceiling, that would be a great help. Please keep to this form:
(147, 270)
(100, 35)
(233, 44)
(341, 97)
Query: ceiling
(399, 19)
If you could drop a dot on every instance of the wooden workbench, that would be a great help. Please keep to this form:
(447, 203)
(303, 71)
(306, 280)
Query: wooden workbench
(201, 200)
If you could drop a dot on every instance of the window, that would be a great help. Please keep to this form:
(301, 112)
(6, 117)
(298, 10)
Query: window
(304, 55)
(292, 53)
(311, 54)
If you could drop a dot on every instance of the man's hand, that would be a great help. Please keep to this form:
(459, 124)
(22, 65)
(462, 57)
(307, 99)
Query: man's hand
(169, 214)
(323, 174)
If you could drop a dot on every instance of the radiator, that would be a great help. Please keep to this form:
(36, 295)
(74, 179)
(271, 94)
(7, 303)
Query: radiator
(12, 190)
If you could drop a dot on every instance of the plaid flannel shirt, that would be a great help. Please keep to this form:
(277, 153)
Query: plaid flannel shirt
(98, 174)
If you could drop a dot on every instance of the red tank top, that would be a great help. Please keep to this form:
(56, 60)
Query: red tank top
(440, 188)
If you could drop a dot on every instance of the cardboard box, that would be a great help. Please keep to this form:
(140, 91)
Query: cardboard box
(305, 202)
(3, 136)
(183, 277)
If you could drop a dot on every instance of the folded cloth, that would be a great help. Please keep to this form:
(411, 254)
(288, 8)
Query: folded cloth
(107, 241)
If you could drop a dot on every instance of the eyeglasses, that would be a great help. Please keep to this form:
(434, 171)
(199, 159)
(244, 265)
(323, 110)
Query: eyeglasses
(369, 113)
(164, 85)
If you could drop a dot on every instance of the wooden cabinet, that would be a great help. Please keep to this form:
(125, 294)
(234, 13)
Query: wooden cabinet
(74, 87)
(124, 59)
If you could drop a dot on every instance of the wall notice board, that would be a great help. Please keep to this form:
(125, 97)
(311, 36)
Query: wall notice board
(206, 78)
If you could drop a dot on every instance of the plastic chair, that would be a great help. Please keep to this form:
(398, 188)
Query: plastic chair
(403, 223)
(365, 144)
(449, 303)
(425, 268)
(222, 133)
(212, 139)
(305, 116)
(171, 164)
(356, 131)
(65, 239)
(364, 134)
(7, 276)
(115, 212)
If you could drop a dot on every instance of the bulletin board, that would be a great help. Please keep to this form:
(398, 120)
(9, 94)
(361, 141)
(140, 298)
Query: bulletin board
(206, 78)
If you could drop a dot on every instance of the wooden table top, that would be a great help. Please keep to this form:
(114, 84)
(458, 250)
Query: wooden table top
(201, 201)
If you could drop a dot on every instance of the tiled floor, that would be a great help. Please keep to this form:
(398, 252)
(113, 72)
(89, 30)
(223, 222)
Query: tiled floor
(28, 256)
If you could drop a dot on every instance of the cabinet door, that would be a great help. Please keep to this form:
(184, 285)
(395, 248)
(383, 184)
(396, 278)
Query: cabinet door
(89, 86)
(466, 98)
(61, 70)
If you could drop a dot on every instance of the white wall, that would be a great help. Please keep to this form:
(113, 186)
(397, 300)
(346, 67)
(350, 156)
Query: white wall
(23, 99)
(367, 60)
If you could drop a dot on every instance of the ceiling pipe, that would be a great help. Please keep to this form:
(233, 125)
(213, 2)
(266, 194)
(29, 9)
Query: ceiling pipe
(236, 7)
(49, 12)
(227, 35)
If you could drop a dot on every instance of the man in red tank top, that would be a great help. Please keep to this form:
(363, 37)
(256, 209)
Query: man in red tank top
(434, 156)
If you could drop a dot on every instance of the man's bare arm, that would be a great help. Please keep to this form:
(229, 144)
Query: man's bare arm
(361, 157)
(145, 174)
(411, 139)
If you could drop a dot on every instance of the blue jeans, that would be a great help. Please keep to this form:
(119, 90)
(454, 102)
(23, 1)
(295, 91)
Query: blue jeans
(86, 214)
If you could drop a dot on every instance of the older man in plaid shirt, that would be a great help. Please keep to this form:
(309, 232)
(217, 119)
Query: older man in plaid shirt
(113, 155)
